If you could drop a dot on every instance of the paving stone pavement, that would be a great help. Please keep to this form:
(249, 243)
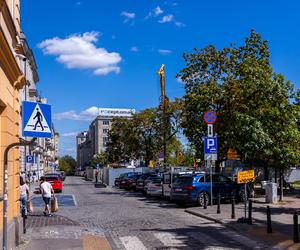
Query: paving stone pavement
(131, 221)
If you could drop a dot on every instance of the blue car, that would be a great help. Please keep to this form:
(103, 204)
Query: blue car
(196, 188)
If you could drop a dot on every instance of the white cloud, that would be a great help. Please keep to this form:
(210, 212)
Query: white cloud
(90, 114)
(170, 18)
(86, 115)
(129, 16)
(166, 19)
(155, 12)
(164, 51)
(134, 49)
(79, 52)
(178, 79)
(69, 134)
(179, 24)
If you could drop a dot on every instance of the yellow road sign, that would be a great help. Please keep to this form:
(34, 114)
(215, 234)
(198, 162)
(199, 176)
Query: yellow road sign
(245, 176)
(232, 154)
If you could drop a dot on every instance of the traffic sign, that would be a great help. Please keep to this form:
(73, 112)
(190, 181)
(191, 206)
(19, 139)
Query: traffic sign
(232, 154)
(210, 145)
(29, 159)
(210, 117)
(245, 176)
(210, 157)
(37, 120)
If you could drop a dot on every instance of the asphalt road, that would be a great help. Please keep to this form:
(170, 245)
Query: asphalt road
(132, 221)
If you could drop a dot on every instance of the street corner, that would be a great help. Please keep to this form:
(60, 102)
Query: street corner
(95, 242)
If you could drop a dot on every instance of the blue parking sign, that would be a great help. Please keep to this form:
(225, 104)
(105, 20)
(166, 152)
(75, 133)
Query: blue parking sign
(29, 159)
(210, 145)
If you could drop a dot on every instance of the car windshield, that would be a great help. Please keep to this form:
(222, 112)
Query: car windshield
(52, 178)
(156, 180)
(183, 180)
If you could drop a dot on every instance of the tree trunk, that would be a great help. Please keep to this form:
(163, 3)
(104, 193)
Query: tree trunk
(276, 175)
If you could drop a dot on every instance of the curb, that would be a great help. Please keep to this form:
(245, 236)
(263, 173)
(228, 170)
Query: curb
(230, 226)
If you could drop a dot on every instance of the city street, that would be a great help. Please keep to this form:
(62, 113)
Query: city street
(129, 220)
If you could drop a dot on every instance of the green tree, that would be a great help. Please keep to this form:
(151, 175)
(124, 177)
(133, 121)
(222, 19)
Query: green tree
(140, 137)
(255, 106)
(67, 163)
(100, 159)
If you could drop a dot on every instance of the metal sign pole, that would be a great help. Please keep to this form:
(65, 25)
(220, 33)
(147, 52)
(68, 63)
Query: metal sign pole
(245, 190)
(5, 185)
(211, 184)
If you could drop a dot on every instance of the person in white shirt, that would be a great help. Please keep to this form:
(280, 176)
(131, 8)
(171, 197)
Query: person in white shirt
(24, 195)
(47, 191)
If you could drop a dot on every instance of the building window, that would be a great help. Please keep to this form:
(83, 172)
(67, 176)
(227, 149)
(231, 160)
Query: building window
(106, 122)
(105, 139)
(105, 131)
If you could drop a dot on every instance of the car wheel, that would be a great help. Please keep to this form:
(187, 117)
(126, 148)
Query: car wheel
(203, 196)
(242, 195)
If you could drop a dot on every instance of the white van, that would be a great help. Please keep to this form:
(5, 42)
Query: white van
(170, 176)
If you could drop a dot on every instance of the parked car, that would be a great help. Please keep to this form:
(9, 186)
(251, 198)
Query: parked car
(169, 178)
(140, 183)
(196, 188)
(130, 182)
(154, 187)
(62, 175)
(121, 182)
(148, 180)
(55, 181)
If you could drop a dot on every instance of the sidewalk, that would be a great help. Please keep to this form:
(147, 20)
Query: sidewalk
(281, 216)
(58, 232)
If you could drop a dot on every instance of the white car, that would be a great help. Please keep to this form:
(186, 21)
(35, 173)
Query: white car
(154, 187)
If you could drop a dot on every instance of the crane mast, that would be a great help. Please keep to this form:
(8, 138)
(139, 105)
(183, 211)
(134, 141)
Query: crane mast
(161, 73)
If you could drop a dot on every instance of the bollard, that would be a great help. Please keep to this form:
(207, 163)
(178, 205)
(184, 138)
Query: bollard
(296, 232)
(204, 200)
(250, 213)
(219, 201)
(269, 224)
(232, 208)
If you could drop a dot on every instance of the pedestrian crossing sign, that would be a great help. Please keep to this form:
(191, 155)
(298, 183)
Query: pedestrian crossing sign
(37, 120)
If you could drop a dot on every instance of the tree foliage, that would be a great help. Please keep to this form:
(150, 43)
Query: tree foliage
(256, 107)
(67, 163)
(100, 159)
(141, 136)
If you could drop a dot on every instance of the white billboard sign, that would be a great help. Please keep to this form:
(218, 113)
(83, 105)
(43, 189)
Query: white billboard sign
(116, 112)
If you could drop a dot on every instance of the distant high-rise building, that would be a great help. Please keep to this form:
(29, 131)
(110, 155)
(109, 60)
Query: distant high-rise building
(95, 139)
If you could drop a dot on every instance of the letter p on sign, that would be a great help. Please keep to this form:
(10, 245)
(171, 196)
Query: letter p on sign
(210, 145)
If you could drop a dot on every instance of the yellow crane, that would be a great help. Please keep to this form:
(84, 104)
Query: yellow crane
(161, 73)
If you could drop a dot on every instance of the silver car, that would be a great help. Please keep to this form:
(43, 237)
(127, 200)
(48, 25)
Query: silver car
(154, 187)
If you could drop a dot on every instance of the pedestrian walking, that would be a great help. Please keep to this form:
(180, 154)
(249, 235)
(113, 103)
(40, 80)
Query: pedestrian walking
(47, 191)
(24, 196)
(34, 176)
(96, 175)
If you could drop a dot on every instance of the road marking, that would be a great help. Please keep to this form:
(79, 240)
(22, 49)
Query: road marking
(245, 241)
(204, 238)
(93, 242)
(171, 240)
(132, 243)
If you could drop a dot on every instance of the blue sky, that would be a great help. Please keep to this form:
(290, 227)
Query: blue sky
(106, 53)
